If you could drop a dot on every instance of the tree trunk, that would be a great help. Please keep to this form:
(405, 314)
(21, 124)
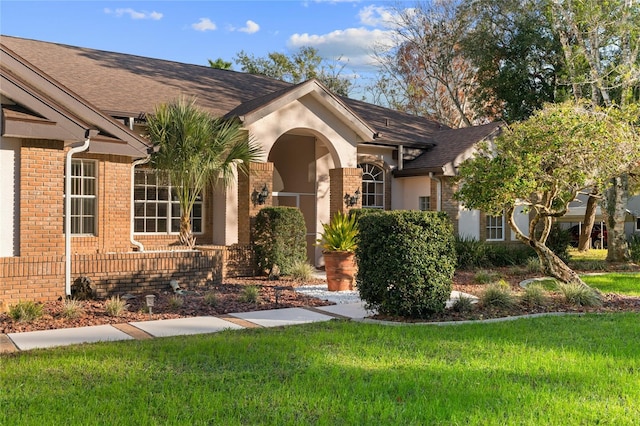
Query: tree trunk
(589, 219)
(186, 236)
(617, 196)
(553, 266)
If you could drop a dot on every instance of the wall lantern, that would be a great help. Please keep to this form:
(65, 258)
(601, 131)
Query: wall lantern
(260, 198)
(352, 200)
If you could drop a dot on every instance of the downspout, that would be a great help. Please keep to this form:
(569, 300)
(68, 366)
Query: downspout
(67, 211)
(136, 243)
(438, 191)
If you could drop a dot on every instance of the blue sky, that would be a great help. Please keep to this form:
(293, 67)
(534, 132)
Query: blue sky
(194, 31)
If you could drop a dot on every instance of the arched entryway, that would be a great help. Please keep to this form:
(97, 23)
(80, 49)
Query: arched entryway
(301, 164)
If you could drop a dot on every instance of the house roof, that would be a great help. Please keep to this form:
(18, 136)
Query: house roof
(35, 105)
(124, 85)
(451, 148)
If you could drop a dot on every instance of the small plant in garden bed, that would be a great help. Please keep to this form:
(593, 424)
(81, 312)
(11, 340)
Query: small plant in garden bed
(250, 294)
(485, 277)
(25, 311)
(72, 308)
(176, 302)
(114, 306)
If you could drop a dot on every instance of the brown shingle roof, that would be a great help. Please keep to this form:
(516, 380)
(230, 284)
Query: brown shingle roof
(129, 86)
(450, 143)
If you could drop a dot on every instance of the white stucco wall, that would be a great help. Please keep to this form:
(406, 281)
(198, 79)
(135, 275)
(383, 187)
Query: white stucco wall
(521, 219)
(469, 223)
(9, 196)
(411, 189)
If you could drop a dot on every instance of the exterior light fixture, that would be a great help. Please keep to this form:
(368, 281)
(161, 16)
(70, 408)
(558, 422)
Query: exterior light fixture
(261, 197)
(151, 301)
(352, 200)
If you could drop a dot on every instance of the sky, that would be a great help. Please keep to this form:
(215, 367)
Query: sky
(195, 31)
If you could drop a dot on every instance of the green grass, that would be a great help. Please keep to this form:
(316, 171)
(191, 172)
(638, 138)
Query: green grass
(570, 370)
(620, 283)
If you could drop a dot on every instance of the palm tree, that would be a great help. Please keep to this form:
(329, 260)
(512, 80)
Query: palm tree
(196, 150)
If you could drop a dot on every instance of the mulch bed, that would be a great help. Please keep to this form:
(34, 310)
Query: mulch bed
(229, 300)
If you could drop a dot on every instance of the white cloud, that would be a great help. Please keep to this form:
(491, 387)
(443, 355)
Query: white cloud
(204, 24)
(354, 46)
(250, 28)
(134, 14)
(377, 16)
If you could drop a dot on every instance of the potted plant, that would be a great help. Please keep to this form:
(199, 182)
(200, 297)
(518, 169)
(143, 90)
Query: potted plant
(338, 241)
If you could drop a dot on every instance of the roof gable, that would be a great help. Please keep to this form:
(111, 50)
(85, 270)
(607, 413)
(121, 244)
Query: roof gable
(46, 109)
(250, 112)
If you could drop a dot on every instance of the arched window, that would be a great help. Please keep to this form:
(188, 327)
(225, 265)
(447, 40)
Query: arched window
(372, 186)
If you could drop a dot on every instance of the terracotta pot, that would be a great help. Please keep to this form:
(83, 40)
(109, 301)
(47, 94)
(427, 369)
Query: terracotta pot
(341, 269)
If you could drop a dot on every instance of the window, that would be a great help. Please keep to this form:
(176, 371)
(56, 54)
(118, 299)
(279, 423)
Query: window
(638, 224)
(156, 206)
(372, 186)
(495, 228)
(83, 197)
(424, 203)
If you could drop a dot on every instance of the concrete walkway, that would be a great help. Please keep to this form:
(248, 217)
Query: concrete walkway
(14, 342)
(141, 330)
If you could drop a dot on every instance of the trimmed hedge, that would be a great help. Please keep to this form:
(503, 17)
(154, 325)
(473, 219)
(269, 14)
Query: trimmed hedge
(279, 238)
(406, 261)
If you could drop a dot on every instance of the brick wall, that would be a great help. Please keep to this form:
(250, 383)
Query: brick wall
(248, 186)
(41, 198)
(341, 182)
(41, 278)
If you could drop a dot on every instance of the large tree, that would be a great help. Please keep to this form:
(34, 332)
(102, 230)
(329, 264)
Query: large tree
(423, 70)
(601, 47)
(517, 57)
(542, 164)
(302, 65)
(196, 150)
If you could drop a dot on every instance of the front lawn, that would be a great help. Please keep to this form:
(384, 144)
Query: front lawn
(627, 284)
(552, 370)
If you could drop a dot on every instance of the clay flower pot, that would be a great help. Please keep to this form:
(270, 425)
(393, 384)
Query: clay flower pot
(341, 268)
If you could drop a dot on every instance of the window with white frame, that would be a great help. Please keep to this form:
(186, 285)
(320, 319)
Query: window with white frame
(495, 228)
(424, 203)
(156, 206)
(372, 186)
(83, 197)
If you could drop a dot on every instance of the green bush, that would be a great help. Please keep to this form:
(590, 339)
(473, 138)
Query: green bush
(279, 238)
(579, 295)
(406, 261)
(634, 247)
(508, 254)
(498, 295)
(471, 253)
(559, 241)
(535, 295)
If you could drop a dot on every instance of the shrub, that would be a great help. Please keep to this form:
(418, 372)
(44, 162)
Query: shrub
(471, 253)
(406, 261)
(211, 298)
(250, 294)
(462, 304)
(114, 306)
(279, 238)
(341, 234)
(580, 295)
(498, 295)
(176, 302)
(25, 311)
(485, 277)
(535, 295)
(634, 247)
(534, 265)
(559, 241)
(72, 308)
(508, 254)
(302, 271)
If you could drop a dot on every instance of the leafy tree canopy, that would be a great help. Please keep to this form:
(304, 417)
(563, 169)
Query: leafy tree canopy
(303, 65)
